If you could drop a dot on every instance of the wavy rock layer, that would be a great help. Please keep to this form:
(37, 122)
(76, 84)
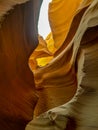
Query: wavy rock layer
(18, 38)
(75, 65)
(56, 82)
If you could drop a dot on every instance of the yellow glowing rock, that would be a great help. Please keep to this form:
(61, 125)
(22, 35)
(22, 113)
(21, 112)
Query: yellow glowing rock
(61, 13)
(60, 20)
(37, 58)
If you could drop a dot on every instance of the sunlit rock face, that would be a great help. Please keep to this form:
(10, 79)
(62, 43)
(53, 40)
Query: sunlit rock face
(18, 39)
(56, 82)
(71, 78)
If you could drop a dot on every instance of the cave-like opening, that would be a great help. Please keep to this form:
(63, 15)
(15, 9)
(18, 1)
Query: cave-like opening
(43, 23)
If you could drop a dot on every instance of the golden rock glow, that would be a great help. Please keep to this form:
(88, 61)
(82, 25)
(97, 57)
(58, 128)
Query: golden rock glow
(60, 18)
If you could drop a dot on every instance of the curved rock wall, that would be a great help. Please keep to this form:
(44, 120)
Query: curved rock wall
(74, 67)
(18, 38)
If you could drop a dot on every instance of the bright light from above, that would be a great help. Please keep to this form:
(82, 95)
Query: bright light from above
(43, 24)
